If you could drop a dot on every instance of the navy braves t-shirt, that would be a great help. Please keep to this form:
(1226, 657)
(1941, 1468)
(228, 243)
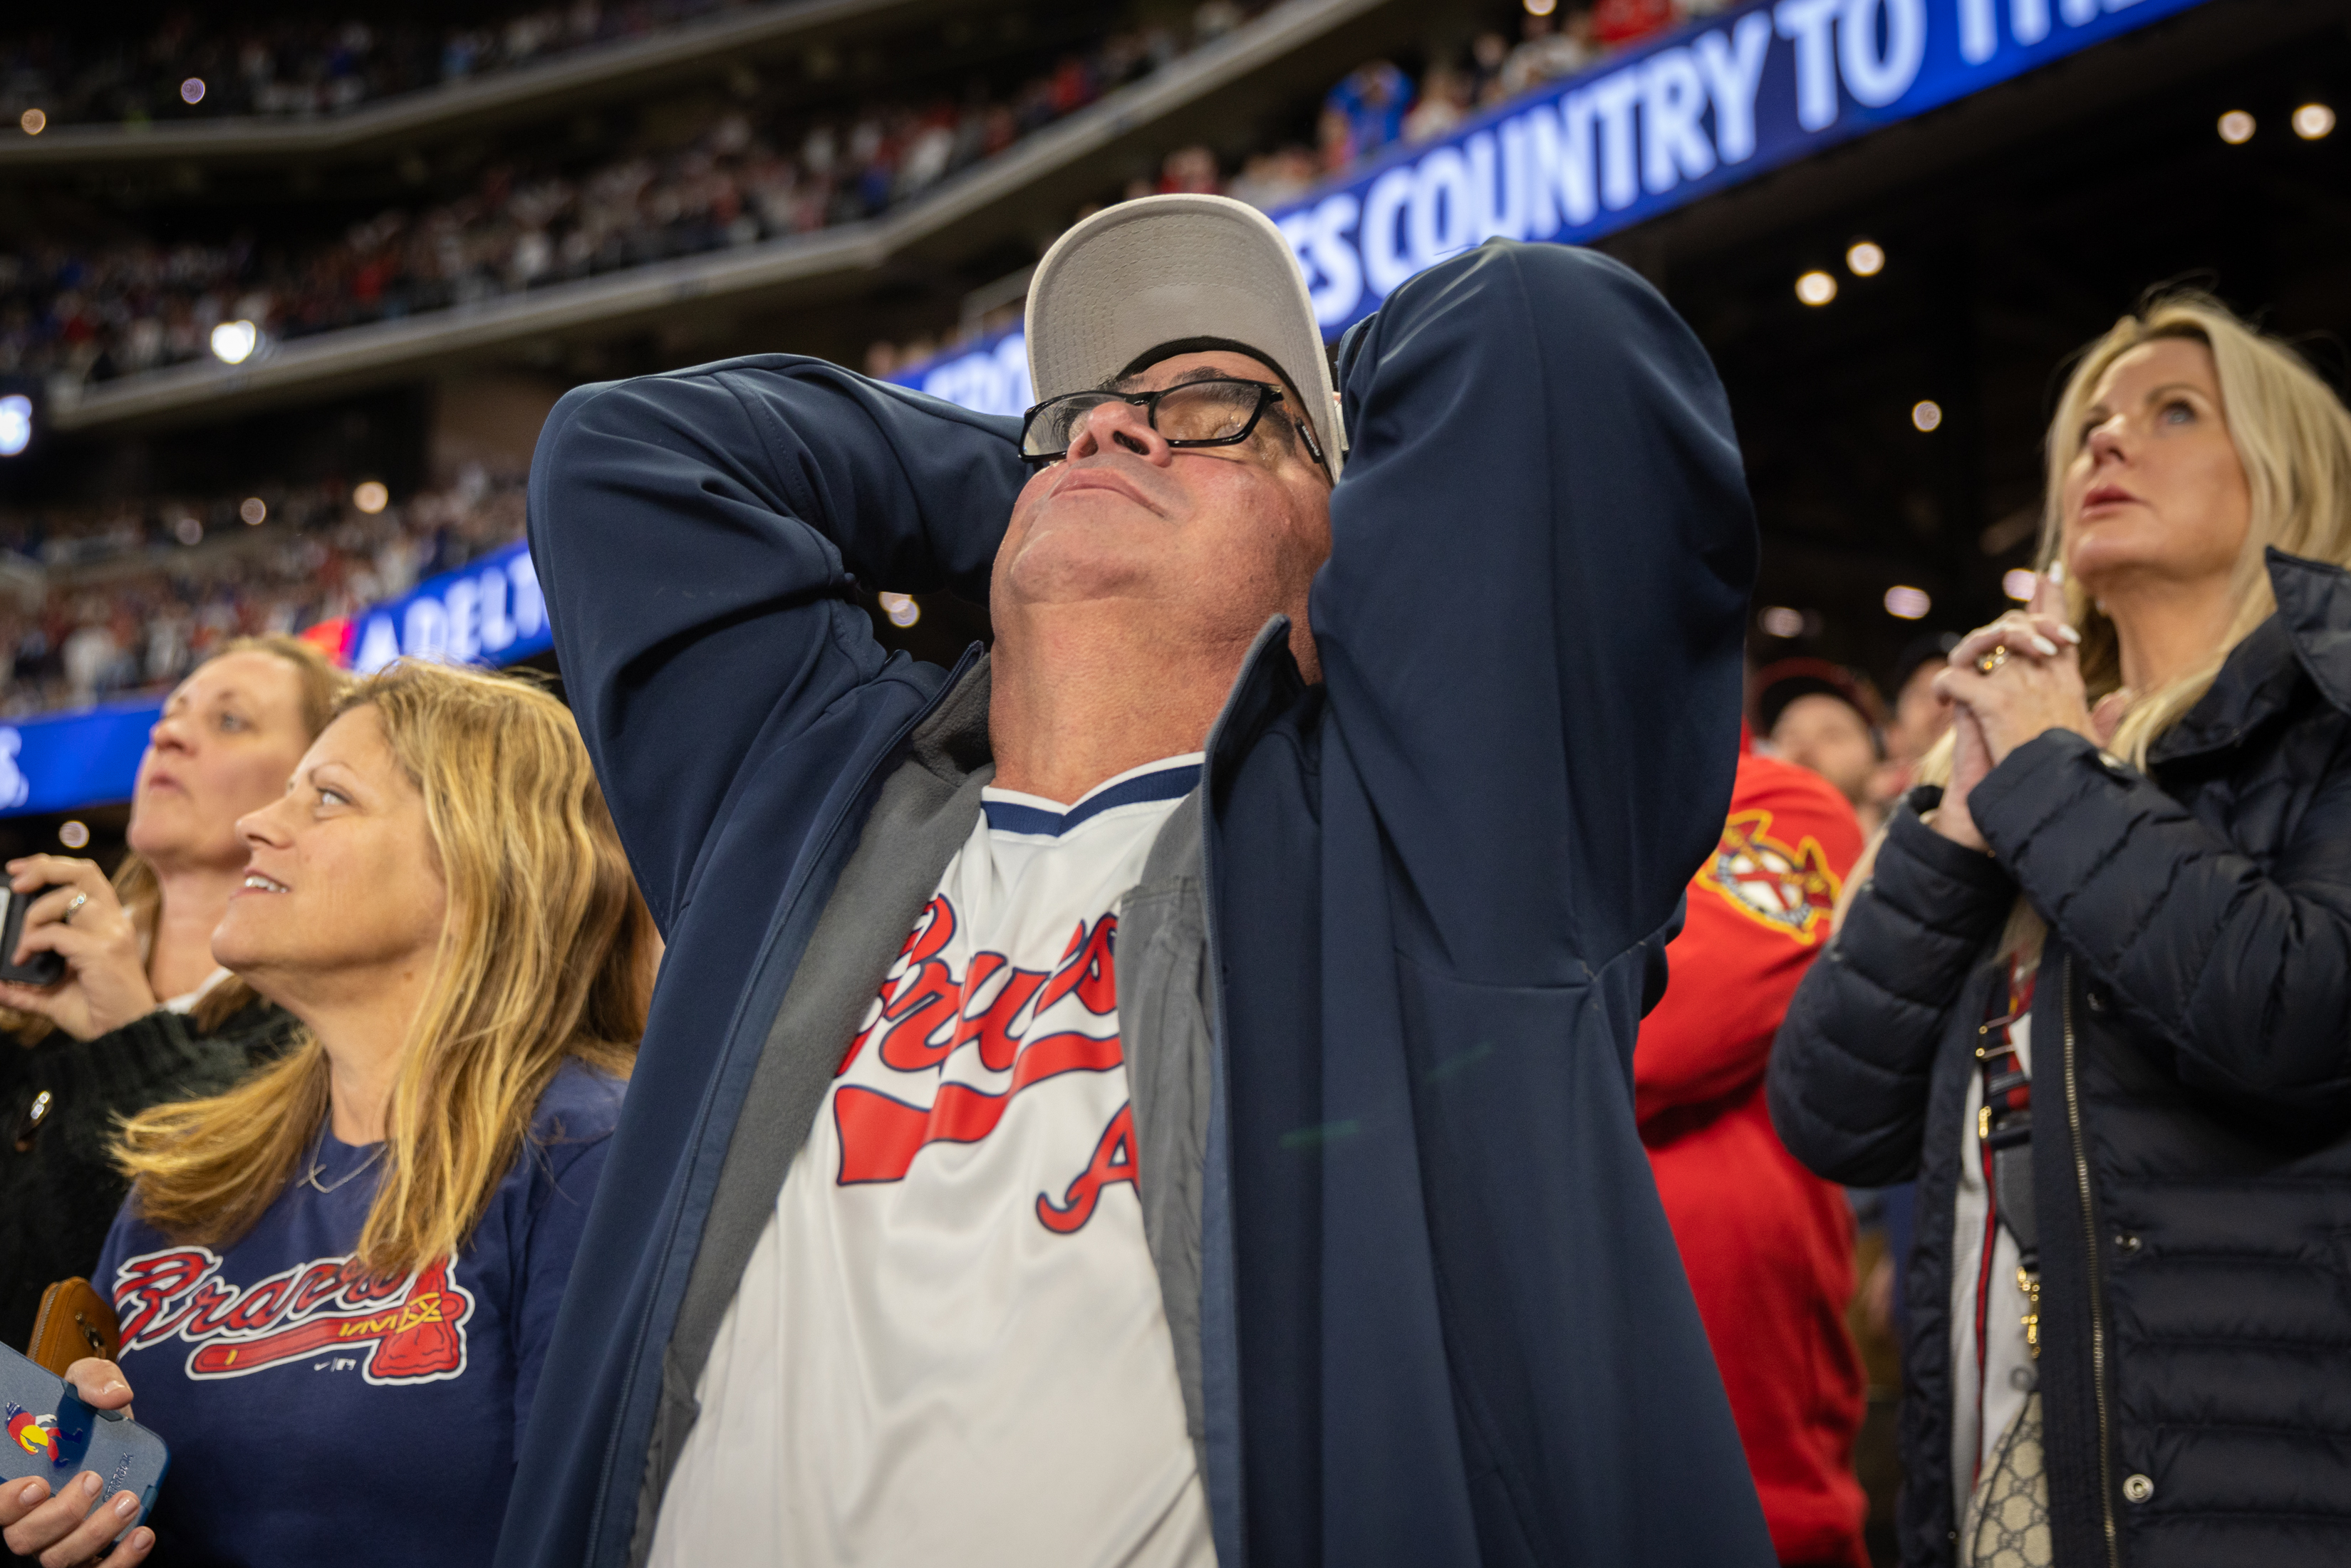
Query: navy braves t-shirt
(313, 1418)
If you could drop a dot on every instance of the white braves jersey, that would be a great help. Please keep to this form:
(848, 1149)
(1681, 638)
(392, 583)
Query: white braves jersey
(949, 1344)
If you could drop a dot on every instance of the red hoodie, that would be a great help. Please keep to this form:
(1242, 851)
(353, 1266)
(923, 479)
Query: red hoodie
(1768, 1246)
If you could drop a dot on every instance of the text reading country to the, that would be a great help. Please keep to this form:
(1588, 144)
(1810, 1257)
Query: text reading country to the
(1654, 127)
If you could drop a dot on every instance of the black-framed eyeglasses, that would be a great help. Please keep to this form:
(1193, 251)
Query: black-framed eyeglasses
(1214, 411)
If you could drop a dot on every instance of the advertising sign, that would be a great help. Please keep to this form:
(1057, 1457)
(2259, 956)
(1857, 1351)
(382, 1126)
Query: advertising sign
(1651, 128)
(489, 613)
(56, 762)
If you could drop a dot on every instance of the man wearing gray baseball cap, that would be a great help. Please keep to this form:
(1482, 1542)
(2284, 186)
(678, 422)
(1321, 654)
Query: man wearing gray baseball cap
(1156, 1093)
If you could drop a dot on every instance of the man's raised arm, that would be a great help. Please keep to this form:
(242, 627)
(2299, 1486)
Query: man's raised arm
(696, 535)
(1532, 620)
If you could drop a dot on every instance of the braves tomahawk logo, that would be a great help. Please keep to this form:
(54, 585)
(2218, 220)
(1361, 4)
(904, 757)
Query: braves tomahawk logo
(1788, 889)
(403, 1330)
(973, 1042)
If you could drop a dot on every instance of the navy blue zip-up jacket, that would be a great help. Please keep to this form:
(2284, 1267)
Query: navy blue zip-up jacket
(1443, 1320)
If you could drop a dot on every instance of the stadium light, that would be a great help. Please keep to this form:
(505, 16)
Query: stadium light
(33, 122)
(255, 511)
(1780, 621)
(1816, 287)
(2018, 583)
(2312, 121)
(233, 341)
(1540, 8)
(370, 496)
(73, 832)
(192, 91)
(16, 424)
(1907, 603)
(901, 608)
(1927, 415)
(1865, 258)
(2236, 128)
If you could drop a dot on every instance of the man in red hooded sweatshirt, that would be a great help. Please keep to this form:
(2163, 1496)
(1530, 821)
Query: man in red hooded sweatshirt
(1768, 1246)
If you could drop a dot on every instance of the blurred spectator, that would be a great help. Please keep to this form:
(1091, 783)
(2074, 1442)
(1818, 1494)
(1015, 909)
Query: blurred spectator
(1550, 52)
(1486, 55)
(1921, 715)
(1269, 179)
(1444, 102)
(1767, 1245)
(1189, 170)
(1821, 715)
(1615, 23)
(1364, 112)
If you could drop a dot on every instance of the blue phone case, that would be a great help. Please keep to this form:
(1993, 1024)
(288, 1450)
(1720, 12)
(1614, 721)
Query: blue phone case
(53, 1434)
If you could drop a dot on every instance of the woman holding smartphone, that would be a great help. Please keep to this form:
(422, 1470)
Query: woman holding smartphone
(336, 1282)
(144, 1012)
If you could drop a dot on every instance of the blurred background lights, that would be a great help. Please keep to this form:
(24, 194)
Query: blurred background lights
(1540, 8)
(233, 341)
(2312, 121)
(16, 424)
(33, 122)
(370, 496)
(2236, 128)
(2018, 583)
(900, 608)
(193, 91)
(255, 511)
(1816, 287)
(187, 530)
(1927, 413)
(1865, 258)
(1779, 621)
(73, 832)
(1907, 603)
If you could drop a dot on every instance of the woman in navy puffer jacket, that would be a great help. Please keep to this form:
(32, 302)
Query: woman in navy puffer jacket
(2096, 995)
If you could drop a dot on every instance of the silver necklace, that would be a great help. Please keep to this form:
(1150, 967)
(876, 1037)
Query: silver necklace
(318, 1163)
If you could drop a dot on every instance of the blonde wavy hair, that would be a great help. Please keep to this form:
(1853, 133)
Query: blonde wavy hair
(548, 952)
(134, 880)
(2293, 439)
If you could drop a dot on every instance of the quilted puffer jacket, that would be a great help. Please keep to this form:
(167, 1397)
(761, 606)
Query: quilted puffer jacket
(2191, 1147)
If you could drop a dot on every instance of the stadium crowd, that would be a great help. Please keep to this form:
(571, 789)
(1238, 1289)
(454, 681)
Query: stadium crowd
(76, 313)
(192, 67)
(1373, 108)
(108, 601)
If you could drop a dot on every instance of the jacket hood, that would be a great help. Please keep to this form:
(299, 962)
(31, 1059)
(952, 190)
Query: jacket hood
(2314, 601)
(2310, 634)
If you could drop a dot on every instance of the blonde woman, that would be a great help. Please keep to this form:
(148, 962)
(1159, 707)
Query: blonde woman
(336, 1282)
(143, 1013)
(2093, 994)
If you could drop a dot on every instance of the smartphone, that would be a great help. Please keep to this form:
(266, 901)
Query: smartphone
(41, 969)
(53, 1434)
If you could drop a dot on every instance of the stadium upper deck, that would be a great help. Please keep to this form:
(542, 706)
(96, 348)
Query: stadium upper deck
(931, 147)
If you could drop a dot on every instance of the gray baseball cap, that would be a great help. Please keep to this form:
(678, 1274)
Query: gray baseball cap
(1161, 269)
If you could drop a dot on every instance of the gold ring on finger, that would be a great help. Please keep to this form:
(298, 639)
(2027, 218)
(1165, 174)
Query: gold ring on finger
(73, 908)
(1992, 660)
